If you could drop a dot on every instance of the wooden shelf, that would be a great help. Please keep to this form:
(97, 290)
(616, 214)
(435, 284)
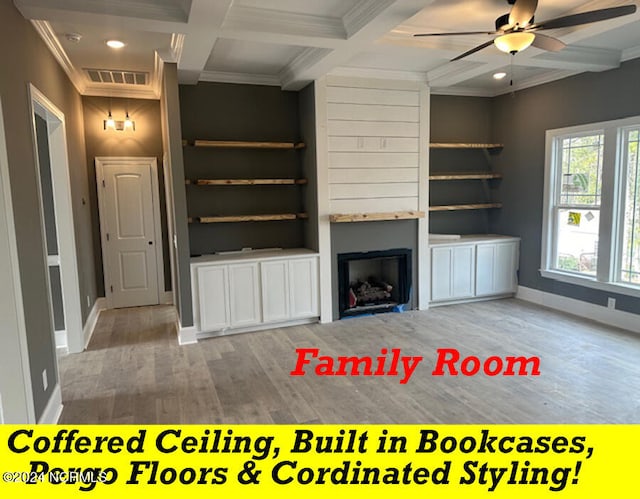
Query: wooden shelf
(373, 217)
(248, 218)
(248, 181)
(465, 176)
(459, 207)
(242, 144)
(463, 145)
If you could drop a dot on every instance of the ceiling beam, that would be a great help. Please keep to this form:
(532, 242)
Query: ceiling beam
(366, 27)
(205, 21)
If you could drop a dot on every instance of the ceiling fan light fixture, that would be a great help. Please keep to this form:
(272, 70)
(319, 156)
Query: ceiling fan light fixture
(512, 43)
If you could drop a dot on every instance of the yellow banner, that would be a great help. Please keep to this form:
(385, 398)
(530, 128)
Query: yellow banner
(444, 461)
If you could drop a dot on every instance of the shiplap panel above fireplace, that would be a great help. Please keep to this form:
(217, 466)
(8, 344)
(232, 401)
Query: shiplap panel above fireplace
(372, 133)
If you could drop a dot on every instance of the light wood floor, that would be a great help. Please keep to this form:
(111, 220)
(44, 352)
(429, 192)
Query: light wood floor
(135, 372)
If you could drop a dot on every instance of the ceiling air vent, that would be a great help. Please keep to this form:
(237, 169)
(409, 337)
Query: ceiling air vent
(117, 77)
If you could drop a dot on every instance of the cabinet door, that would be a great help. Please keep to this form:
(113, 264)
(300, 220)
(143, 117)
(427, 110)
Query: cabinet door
(440, 273)
(452, 275)
(506, 267)
(303, 285)
(213, 297)
(275, 290)
(244, 294)
(485, 269)
(462, 282)
(496, 266)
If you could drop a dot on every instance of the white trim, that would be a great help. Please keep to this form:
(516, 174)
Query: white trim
(598, 313)
(166, 297)
(90, 325)
(48, 35)
(203, 335)
(62, 345)
(324, 209)
(157, 222)
(23, 376)
(186, 335)
(241, 78)
(53, 410)
(61, 179)
(380, 74)
(424, 254)
(53, 260)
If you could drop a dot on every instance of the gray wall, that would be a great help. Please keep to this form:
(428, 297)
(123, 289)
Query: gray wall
(373, 236)
(28, 60)
(520, 122)
(146, 140)
(460, 119)
(218, 111)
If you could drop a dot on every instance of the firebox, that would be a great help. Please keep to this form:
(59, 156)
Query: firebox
(374, 281)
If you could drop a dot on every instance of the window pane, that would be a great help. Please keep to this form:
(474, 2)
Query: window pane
(577, 240)
(581, 177)
(630, 264)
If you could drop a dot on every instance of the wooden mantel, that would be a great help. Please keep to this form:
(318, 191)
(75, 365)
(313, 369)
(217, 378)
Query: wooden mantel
(375, 217)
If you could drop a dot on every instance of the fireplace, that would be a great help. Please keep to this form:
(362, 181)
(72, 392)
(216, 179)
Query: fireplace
(374, 281)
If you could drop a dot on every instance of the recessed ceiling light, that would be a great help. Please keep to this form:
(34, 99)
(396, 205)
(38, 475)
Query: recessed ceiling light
(115, 44)
(500, 75)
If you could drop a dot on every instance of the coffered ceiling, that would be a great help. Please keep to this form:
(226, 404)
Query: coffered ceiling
(289, 43)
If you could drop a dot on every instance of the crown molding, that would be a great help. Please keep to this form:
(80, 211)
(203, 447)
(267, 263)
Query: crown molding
(49, 37)
(462, 92)
(630, 53)
(538, 80)
(242, 78)
(304, 60)
(122, 91)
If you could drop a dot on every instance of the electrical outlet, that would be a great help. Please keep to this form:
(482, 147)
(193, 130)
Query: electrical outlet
(45, 381)
(611, 303)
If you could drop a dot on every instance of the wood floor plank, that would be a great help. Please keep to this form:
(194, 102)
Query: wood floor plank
(134, 372)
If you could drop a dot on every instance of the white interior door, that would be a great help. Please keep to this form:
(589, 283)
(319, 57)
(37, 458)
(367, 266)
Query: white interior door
(128, 223)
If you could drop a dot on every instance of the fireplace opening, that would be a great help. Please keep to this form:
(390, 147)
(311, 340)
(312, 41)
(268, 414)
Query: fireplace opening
(374, 281)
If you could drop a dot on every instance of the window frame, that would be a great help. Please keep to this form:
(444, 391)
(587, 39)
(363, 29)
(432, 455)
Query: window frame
(611, 206)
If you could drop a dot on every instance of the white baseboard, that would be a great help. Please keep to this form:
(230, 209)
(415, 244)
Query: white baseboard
(62, 344)
(187, 335)
(166, 298)
(53, 410)
(598, 313)
(98, 306)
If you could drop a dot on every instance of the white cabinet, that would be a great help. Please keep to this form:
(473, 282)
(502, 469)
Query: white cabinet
(244, 293)
(303, 285)
(473, 267)
(213, 291)
(496, 266)
(275, 290)
(452, 272)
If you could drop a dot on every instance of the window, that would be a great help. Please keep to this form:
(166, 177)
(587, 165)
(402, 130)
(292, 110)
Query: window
(630, 251)
(591, 232)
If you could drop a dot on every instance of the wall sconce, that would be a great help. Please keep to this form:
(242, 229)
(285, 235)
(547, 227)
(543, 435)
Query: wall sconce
(125, 125)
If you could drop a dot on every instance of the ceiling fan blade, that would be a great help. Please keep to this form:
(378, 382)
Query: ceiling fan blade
(522, 12)
(458, 33)
(473, 50)
(549, 43)
(585, 17)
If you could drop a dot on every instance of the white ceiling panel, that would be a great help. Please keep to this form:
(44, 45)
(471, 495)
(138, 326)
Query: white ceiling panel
(323, 8)
(250, 57)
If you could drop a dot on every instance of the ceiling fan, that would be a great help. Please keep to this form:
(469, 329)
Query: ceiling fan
(517, 30)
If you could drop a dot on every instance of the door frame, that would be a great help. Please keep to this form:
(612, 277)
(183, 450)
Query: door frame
(61, 180)
(157, 222)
